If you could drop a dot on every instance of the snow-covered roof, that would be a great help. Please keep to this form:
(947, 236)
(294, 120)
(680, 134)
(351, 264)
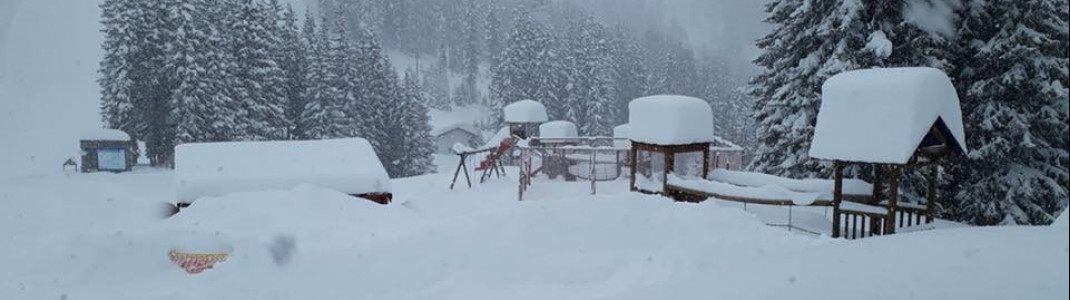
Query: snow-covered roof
(883, 115)
(466, 127)
(723, 144)
(526, 111)
(670, 120)
(105, 135)
(558, 130)
(349, 166)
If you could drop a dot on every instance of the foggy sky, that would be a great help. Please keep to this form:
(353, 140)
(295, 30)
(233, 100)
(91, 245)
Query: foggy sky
(722, 28)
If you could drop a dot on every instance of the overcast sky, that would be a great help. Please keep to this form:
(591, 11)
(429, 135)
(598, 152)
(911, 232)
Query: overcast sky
(726, 28)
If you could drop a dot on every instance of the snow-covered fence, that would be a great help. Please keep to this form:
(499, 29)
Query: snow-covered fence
(590, 159)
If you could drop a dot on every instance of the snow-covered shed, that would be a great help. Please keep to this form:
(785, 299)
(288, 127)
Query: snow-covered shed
(107, 150)
(670, 135)
(349, 166)
(448, 136)
(890, 119)
(524, 118)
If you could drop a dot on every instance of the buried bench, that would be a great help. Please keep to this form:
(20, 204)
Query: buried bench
(349, 166)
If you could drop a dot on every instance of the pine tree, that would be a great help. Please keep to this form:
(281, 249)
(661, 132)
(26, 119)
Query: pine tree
(135, 89)
(121, 47)
(593, 84)
(254, 39)
(631, 71)
(437, 83)
(526, 67)
(416, 139)
(1016, 112)
(320, 106)
(493, 41)
(197, 65)
(293, 59)
(468, 93)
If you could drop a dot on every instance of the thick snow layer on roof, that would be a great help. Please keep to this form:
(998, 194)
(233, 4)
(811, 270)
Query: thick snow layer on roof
(670, 120)
(466, 127)
(105, 135)
(349, 166)
(558, 129)
(526, 111)
(723, 144)
(882, 115)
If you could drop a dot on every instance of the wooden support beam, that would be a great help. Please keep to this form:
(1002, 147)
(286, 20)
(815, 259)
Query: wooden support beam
(633, 155)
(837, 199)
(930, 205)
(893, 197)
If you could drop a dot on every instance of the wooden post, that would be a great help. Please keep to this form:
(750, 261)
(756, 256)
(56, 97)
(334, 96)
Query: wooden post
(893, 198)
(670, 166)
(594, 187)
(837, 198)
(878, 184)
(706, 163)
(930, 205)
(633, 154)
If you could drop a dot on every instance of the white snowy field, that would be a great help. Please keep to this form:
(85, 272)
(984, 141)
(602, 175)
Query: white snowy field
(98, 237)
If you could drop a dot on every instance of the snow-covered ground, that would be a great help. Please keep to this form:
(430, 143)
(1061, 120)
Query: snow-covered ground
(100, 236)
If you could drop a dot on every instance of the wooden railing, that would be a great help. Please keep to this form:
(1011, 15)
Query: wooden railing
(857, 225)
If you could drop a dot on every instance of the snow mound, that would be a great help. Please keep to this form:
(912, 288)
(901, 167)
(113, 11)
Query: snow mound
(882, 115)
(670, 120)
(558, 130)
(349, 166)
(526, 111)
(1061, 222)
(105, 135)
(307, 214)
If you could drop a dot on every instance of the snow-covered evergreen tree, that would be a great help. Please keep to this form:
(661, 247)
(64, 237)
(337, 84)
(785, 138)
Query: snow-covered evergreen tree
(254, 37)
(632, 74)
(471, 50)
(592, 92)
(198, 65)
(437, 83)
(293, 59)
(416, 141)
(526, 67)
(1015, 97)
(135, 88)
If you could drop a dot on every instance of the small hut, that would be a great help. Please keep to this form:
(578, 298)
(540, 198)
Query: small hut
(525, 117)
(726, 155)
(108, 150)
(670, 136)
(892, 120)
(449, 136)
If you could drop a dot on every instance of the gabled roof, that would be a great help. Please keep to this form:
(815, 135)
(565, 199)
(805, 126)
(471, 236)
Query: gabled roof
(455, 126)
(886, 115)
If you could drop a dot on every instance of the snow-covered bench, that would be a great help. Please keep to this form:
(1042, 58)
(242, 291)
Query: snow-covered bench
(349, 166)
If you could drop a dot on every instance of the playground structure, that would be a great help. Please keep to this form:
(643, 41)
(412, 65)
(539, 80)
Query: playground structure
(885, 120)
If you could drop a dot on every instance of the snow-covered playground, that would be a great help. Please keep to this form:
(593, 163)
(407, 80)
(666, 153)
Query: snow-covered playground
(100, 236)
